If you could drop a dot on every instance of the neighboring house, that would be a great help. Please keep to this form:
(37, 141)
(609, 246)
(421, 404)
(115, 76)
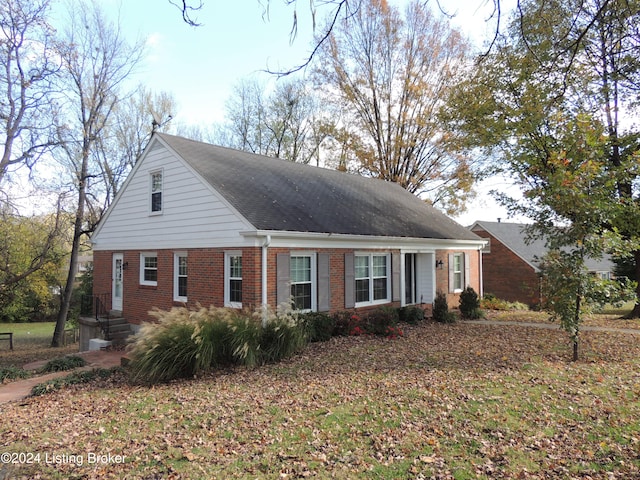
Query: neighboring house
(201, 224)
(510, 265)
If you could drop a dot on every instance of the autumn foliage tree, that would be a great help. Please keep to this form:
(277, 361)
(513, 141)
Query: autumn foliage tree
(387, 74)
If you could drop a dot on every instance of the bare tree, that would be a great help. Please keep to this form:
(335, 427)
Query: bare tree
(285, 124)
(96, 61)
(128, 132)
(27, 67)
(389, 75)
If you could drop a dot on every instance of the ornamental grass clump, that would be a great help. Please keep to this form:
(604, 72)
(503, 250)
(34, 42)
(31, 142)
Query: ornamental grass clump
(283, 335)
(183, 342)
(165, 350)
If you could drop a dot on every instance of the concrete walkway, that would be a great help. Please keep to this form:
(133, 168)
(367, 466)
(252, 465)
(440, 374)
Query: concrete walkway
(20, 389)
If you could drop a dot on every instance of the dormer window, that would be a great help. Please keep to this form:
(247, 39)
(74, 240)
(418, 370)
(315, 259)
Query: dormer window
(156, 192)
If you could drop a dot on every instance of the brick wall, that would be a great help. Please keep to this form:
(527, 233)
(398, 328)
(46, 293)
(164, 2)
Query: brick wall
(506, 275)
(206, 278)
(442, 274)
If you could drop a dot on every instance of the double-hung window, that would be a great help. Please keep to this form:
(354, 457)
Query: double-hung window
(373, 281)
(233, 279)
(156, 192)
(301, 278)
(180, 277)
(458, 272)
(149, 269)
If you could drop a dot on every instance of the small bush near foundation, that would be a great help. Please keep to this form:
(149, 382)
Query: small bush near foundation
(346, 323)
(319, 326)
(382, 321)
(470, 304)
(411, 314)
(441, 311)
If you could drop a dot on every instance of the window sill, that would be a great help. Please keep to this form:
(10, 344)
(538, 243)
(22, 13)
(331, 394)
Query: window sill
(374, 303)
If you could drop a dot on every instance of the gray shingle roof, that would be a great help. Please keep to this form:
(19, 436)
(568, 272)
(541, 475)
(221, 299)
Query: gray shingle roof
(279, 195)
(513, 236)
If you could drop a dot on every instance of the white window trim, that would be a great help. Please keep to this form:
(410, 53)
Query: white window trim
(461, 271)
(228, 278)
(371, 278)
(314, 278)
(176, 276)
(162, 196)
(150, 283)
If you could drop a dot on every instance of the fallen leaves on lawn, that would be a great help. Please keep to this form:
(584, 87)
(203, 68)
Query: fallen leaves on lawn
(444, 401)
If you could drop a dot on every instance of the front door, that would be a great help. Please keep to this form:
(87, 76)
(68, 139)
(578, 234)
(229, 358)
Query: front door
(410, 285)
(419, 278)
(116, 286)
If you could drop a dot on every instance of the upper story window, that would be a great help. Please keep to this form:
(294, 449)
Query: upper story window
(156, 191)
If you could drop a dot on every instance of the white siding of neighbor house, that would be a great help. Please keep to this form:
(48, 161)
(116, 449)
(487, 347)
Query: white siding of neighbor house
(193, 214)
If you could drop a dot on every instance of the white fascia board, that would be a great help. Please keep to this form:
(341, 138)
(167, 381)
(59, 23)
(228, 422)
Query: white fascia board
(333, 240)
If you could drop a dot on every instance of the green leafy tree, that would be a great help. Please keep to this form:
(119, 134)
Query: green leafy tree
(549, 103)
(31, 266)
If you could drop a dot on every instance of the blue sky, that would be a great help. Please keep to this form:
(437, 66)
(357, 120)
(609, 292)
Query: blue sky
(200, 65)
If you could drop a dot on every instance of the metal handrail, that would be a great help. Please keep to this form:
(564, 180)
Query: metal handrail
(98, 309)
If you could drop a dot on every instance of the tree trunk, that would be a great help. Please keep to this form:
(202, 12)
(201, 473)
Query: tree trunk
(635, 313)
(65, 300)
(576, 323)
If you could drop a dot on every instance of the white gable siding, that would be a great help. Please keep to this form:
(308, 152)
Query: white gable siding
(193, 214)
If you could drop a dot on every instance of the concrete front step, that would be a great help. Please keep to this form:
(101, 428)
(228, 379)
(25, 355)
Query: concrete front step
(119, 329)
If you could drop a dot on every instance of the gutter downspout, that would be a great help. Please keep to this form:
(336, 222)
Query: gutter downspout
(265, 300)
(481, 273)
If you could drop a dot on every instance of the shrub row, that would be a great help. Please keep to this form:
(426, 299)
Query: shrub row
(491, 302)
(186, 342)
(72, 379)
(383, 322)
(469, 306)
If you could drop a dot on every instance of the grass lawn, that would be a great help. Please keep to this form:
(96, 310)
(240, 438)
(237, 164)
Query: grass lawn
(460, 401)
(31, 342)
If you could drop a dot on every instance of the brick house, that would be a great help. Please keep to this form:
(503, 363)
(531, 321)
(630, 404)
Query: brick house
(200, 224)
(510, 268)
